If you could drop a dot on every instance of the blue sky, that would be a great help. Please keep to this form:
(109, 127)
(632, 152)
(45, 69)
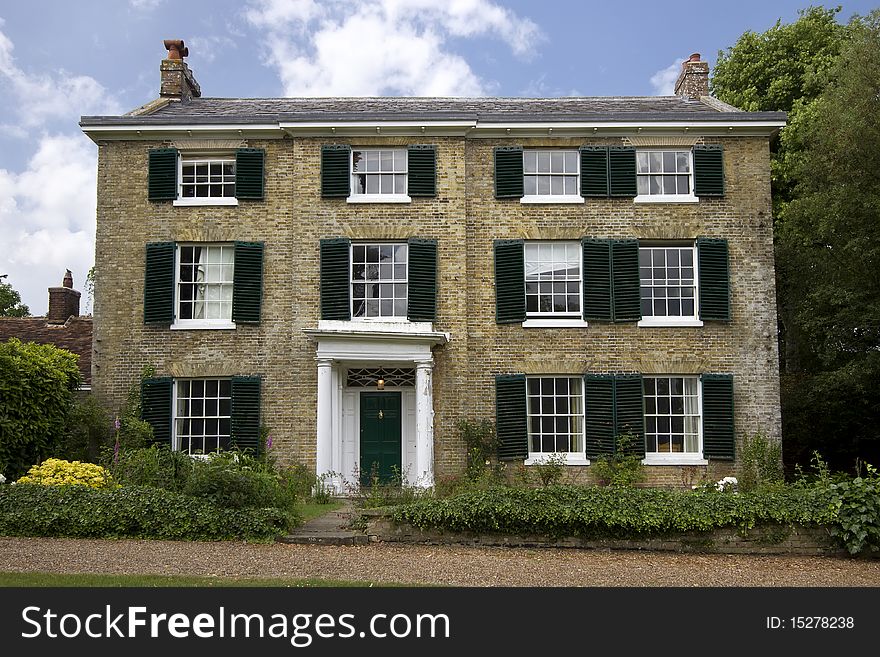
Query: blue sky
(60, 60)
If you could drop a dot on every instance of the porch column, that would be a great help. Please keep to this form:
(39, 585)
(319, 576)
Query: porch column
(424, 423)
(324, 446)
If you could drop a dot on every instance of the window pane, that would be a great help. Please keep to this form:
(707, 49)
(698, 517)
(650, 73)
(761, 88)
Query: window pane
(557, 162)
(556, 185)
(655, 162)
(571, 162)
(543, 185)
(543, 161)
(668, 161)
(570, 186)
(642, 162)
(683, 162)
(530, 185)
(530, 161)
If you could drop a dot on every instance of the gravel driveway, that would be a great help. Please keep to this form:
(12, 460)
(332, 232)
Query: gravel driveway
(423, 564)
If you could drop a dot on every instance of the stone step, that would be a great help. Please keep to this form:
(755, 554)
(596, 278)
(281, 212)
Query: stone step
(325, 538)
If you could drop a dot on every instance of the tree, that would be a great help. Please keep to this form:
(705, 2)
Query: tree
(828, 246)
(10, 301)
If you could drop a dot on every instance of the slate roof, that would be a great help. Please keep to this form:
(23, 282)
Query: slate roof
(75, 335)
(599, 108)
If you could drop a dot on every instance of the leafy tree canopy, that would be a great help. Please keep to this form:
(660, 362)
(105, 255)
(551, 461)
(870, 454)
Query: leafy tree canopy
(10, 301)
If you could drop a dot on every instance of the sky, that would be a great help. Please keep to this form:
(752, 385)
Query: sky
(63, 60)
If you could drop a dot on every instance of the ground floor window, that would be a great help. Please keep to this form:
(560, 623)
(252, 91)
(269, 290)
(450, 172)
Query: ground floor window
(672, 415)
(555, 414)
(202, 412)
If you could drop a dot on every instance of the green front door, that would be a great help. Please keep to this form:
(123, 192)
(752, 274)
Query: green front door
(380, 437)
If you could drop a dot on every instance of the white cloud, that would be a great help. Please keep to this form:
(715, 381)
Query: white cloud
(144, 5)
(205, 48)
(383, 47)
(47, 218)
(663, 80)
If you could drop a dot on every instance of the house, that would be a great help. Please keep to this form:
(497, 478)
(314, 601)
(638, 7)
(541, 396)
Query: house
(62, 327)
(354, 276)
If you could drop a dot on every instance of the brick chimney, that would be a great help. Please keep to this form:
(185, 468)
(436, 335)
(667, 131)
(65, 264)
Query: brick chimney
(63, 301)
(178, 82)
(693, 81)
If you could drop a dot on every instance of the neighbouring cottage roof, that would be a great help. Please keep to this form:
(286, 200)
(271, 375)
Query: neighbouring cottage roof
(75, 335)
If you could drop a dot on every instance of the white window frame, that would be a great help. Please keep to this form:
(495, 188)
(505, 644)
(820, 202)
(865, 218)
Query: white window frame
(351, 282)
(355, 197)
(571, 458)
(182, 159)
(538, 319)
(668, 198)
(187, 324)
(553, 198)
(678, 458)
(650, 321)
(175, 438)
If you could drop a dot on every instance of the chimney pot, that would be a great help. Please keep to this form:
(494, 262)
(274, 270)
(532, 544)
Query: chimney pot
(176, 49)
(68, 280)
(693, 81)
(63, 301)
(177, 81)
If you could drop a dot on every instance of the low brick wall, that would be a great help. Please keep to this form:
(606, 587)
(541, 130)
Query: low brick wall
(767, 539)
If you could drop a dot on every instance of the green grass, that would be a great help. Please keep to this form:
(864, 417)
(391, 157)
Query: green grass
(311, 510)
(91, 580)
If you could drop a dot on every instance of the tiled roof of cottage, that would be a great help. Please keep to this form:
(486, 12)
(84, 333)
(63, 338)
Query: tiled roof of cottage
(75, 335)
(598, 108)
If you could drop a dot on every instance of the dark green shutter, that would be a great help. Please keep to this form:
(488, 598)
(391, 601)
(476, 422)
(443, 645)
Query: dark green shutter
(713, 279)
(421, 170)
(249, 164)
(594, 171)
(510, 282)
(159, 283)
(718, 435)
(511, 421)
(421, 303)
(709, 170)
(622, 170)
(156, 407)
(247, 282)
(508, 172)
(245, 419)
(599, 414)
(629, 411)
(162, 174)
(597, 279)
(335, 265)
(625, 277)
(335, 170)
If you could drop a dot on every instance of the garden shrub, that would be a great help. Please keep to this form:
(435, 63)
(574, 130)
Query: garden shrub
(621, 469)
(156, 466)
(36, 389)
(761, 463)
(856, 503)
(89, 430)
(233, 480)
(131, 512)
(58, 472)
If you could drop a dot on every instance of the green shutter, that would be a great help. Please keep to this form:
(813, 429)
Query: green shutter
(335, 265)
(597, 279)
(713, 279)
(508, 172)
(246, 412)
(511, 422)
(156, 407)
(421, 170)
(718, 435)
(249, 165)
(709, 170)
(247, 282)
(622, 170)
(599, 414)
(625, 278)
(421, 303)
(594, 171)
(629, 411)
(335, 170)
(159, 283)
(162, 174)
(510, 282)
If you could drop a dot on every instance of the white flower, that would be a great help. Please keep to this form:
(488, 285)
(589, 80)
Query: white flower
(2, 479)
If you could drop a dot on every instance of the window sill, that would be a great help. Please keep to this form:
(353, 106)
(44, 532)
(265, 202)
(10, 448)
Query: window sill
(538, 322)
(680, 322)
(570, 459)
(677, 459)
(552, 199)
(379, 198)
(201, 326)
(664, 198)
(190, 202)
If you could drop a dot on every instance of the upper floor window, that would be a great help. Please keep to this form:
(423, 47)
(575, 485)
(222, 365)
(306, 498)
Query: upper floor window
(204, 284)
(551, 176)
(204, 178)
(379, 174)
(664, 175)
(668, 283)
(379, 280)
(553, 279)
